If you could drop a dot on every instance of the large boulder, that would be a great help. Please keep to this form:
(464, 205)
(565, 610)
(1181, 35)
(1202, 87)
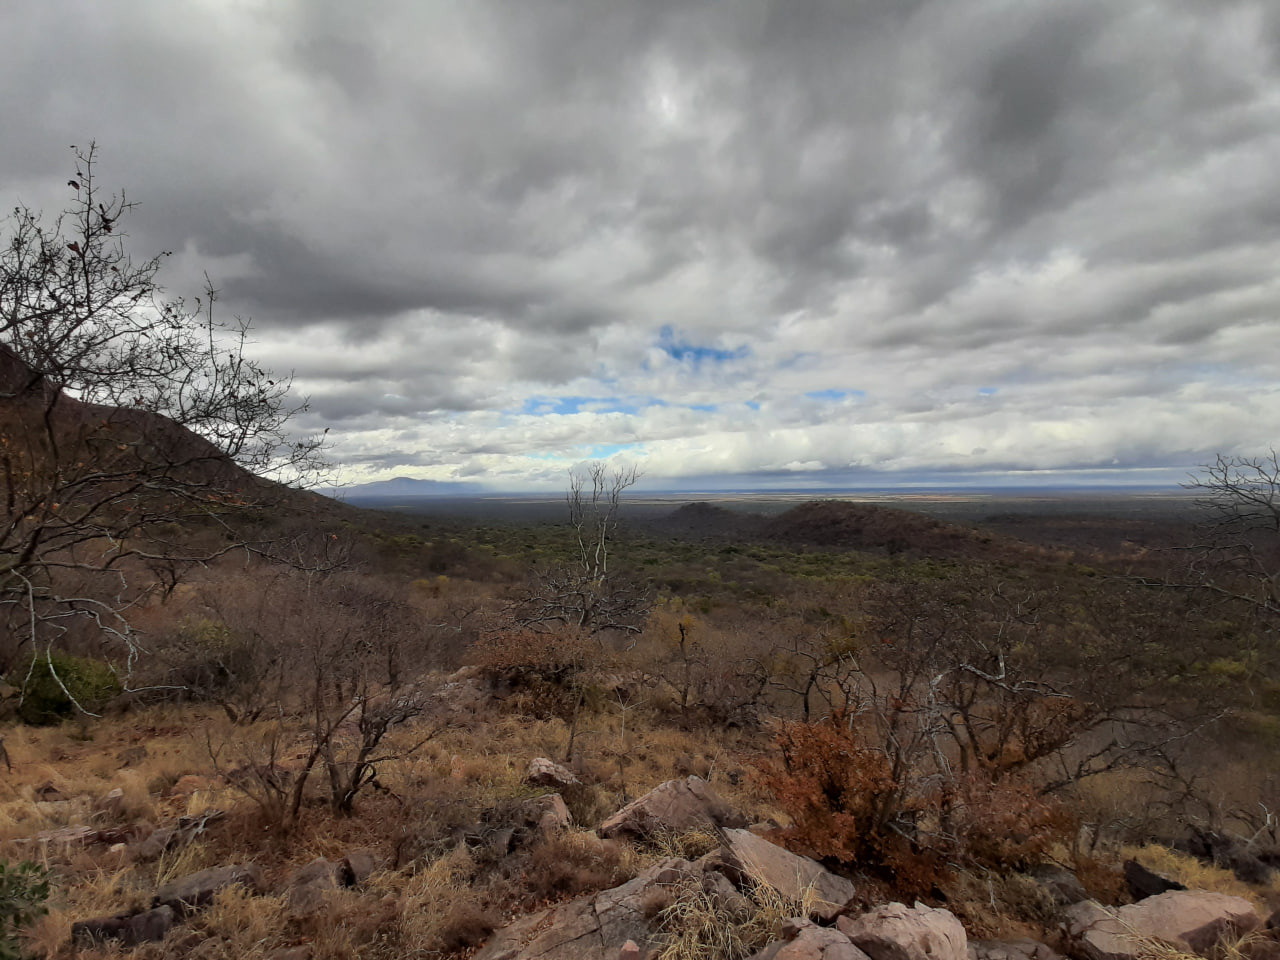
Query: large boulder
(595, 927)
(197, 890)
(1189, 920)
(673, 807)
(791, 875)
(895, 931)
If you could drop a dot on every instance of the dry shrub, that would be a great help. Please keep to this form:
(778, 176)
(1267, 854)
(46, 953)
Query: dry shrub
(241, 925)
(1005, 825)
(700, 926)
(437, 907)
(542, 668)
(846, 804)
(569, 864)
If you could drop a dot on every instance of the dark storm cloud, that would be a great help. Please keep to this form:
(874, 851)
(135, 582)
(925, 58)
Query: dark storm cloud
(442, 208)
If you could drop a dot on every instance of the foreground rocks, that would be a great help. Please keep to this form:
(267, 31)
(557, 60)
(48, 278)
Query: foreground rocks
(791, 875)
(673, 807)
(895, 931)
(196, 891)
(1192, 921)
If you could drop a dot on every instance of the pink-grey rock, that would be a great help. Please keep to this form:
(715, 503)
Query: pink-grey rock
(810, 942)
(788, 873)
(547, 773)
(359, 865)
(674, 806)
(1193, 921)
(895, 931)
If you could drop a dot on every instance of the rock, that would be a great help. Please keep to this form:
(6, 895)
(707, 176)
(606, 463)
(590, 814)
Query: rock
(594, 927)
(788, 873)
(77, 836)
(674, 806)
(895, 931)
(546, 773)
(724, 896)
(802, 940)
(47, 793)
(1144, 883)
(309, 885)
(1062, 886)
(193, 892)
(176, 835)
(630, 951)
(112, 805)
(360, 865)
(1011, 950)
(146, 927)
(1189, 920)
(547, 814)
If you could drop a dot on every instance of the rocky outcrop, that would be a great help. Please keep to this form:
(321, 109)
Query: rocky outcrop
(1192, 921)
(197, 890)
(674, 806)
(791, 875)
(895, 931)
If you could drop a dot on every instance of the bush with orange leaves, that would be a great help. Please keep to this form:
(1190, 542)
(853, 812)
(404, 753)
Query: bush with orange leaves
(848, 804)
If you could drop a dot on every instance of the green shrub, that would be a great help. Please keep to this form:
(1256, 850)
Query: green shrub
(23, 891)
(45, 700)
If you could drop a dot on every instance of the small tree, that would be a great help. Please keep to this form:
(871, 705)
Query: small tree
(126, 419)
(585, 593)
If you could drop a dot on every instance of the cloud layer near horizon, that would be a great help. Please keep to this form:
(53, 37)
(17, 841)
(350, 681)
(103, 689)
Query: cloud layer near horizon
(787, 242)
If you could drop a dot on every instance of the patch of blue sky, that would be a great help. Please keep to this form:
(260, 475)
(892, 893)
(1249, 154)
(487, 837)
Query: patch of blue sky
(704, 407)
(753, 404)
(599, 451)
(682, 351)
(988, 391)
(834, 395)
(565, 406)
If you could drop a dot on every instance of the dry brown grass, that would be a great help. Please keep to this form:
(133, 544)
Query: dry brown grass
(1198, 875)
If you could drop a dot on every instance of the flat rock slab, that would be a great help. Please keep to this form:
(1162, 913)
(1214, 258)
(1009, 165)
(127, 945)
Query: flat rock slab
(1190, 920)
(196, 891)
(802, 940)
(674, 806)
(895, 931)
(790, 874)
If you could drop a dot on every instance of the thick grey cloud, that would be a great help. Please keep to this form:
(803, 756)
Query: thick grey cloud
(809, 238)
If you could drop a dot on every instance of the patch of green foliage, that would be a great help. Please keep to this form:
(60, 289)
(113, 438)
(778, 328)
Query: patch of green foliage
(52, 695)
(24, 888)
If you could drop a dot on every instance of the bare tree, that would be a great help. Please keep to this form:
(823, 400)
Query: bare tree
(127, 420)
(585, 593)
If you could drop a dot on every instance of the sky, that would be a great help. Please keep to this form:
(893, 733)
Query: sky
(799, 243)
